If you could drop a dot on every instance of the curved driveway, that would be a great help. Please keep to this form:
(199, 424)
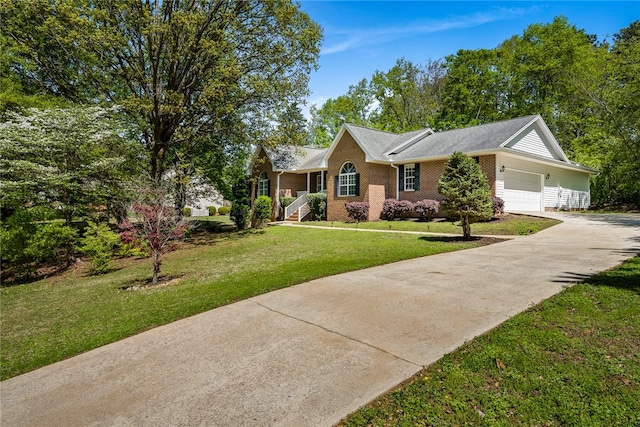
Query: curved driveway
(311, 354)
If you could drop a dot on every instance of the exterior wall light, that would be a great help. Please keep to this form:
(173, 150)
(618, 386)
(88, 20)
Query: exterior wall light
(502, 168)
(547, 176)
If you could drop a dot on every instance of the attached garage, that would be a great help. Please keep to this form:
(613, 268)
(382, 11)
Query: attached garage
(522, 191)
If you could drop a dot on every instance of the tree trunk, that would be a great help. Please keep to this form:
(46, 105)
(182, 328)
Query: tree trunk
(180, 198)
(466, 227)
(156, 267)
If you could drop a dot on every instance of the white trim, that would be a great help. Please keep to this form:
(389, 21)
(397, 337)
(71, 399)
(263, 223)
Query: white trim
(348, 176)
(547, 133)
(261, 181)
(404, 178)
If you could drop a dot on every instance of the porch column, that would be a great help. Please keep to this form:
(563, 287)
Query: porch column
(322, 186)
(308, 182)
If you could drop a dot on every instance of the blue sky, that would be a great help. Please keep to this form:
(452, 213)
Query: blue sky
(361, 37)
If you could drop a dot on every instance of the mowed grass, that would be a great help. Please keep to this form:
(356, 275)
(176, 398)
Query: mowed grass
(573, 360)
(53, 319)
(506, 225)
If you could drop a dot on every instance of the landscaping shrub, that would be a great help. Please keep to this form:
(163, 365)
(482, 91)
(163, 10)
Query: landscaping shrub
(357, 211)
(318, 205)
(98, 243)
(224, 210)
(32, 236)
(392, 209)
(388, 210)
(239, 214)
(186, 211)
(212, 210)
(426, 209)
(498, 205)
(403, 209)
(261, 210)
(286, 201)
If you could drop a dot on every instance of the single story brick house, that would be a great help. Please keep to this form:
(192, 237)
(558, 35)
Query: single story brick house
(521, 158)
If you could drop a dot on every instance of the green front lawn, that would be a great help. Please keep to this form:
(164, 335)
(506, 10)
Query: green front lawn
(573, 360)
(502, 226)
(55, 318)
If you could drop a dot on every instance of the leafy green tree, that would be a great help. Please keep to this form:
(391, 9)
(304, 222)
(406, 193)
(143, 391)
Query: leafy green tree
(75, 158)
(354, 107)
(195, 77)
(30, 236)
(466, 191)
(408, 95)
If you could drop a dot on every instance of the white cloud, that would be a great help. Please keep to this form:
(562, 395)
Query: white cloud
(354, 38)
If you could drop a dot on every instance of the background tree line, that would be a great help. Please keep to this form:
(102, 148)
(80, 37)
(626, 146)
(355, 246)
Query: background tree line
(586, 90)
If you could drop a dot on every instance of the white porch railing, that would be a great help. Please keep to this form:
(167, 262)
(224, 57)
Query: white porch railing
(299, 205)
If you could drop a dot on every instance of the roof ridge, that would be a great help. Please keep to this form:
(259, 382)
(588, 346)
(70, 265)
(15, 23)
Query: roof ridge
(530, 116)
(372, 129)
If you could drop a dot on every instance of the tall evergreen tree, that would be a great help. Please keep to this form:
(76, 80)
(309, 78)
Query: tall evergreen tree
(465, 190)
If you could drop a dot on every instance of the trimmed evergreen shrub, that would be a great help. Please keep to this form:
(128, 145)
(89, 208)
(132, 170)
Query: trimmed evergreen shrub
(426, 209)
(465, 190)
(261, 210)
(357, 211)
(239, 214)
(286, 201)
(318, 205)
(212, 210)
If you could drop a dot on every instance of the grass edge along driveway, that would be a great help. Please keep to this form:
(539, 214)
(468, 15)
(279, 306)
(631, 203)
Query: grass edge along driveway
(573, 359)
(59, 317)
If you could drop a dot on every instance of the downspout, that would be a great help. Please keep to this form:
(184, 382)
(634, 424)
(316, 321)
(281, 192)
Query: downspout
(277, 198)
(397, 180)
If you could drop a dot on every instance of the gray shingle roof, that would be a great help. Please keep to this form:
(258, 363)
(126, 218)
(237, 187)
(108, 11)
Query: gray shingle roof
(296, 158)
(376, 142)
(417, 145)
(468, 140)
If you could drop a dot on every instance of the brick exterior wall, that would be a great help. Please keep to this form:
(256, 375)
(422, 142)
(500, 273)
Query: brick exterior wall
(290, 183)
(382, 180)
(346, 150)
(377, 181)
(430, 173)
(488, 166)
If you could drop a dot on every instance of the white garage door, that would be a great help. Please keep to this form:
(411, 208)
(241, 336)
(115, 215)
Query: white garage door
(522, 191)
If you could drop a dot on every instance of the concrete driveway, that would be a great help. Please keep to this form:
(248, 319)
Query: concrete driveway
(311, 354)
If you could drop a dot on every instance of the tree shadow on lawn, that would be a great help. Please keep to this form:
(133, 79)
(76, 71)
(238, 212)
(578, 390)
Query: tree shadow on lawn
(479, 240)
(206, 237)
(625, 276)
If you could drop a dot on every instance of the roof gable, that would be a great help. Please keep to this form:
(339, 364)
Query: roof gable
(536, 139)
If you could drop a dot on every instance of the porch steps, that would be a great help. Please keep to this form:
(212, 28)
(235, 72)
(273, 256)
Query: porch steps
(293, 217)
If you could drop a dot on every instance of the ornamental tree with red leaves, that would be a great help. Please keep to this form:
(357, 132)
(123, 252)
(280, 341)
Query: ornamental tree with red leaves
(155, 227)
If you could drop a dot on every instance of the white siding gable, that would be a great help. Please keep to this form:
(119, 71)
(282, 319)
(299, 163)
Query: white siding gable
(533, 142)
